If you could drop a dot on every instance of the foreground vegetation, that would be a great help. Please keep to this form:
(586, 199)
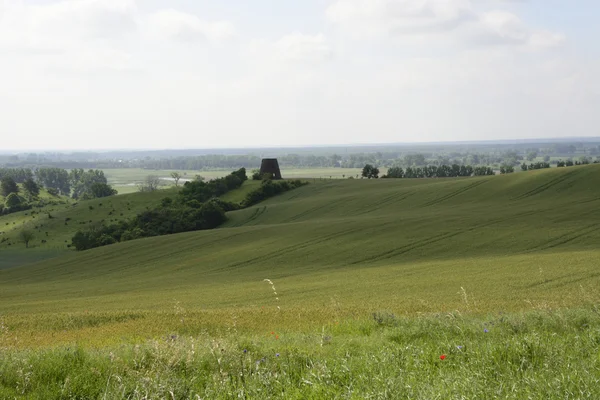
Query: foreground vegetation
(538, 355)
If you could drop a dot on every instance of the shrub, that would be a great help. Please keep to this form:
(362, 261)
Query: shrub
(270, 189)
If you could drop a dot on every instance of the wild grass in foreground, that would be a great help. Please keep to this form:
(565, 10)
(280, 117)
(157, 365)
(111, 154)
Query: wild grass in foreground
(534, 355)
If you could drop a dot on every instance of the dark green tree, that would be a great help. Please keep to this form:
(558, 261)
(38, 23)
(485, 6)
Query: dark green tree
(82, 181)
(395, 172)
(8, 186)
(54, 178)
(32, 188)
(13, 200)
(99, 190)
(370, 172)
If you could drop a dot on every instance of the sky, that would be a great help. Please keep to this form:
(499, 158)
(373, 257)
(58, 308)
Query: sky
(153, 74)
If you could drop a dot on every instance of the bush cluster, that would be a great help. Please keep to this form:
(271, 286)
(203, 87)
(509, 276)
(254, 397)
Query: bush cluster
(269, 189)
(195, 208)
(160, 221)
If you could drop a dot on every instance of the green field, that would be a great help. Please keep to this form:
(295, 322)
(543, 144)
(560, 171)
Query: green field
(504, 267)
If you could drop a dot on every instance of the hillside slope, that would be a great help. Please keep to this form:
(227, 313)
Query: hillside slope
(401, 244)
(56, 224)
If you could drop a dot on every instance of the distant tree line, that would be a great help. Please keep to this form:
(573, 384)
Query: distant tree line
(352, 157)
(570, 163)
(196, 207)
(534, 166)
(433, 171)
(19, 175)
(78, 183)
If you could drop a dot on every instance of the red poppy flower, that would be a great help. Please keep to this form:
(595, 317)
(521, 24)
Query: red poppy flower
(272, 333)
(277, 337)
(443, 357)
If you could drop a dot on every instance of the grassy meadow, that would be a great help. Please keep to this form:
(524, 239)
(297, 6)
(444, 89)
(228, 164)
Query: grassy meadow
(54, 225)
(468, 288)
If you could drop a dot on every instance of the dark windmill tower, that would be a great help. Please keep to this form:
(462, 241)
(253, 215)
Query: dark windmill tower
(270, 166)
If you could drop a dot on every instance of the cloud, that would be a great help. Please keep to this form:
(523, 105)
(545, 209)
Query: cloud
(95, 35)
(65, 26)
(502, 27)
(300, 47)
(453, 20)
(399, 17)
(181, 26)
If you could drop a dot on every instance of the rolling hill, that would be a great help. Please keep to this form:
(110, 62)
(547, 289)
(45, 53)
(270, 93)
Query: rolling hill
(55, 224)
(409, 245)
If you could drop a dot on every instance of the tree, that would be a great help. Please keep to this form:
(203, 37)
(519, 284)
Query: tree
(13, 200)
(55, 178)
(26, 237)
(176, 177)
(32, 188)
(150, 184)
(99, 190)
(8, 186)
(199, 178)
(395, 172)
(82, 181)
(370, 172)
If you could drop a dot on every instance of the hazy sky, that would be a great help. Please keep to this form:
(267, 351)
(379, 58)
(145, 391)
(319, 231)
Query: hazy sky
(233, 73)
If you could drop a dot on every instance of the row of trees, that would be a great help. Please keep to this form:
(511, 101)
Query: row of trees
(78, 183)
(430, 171)
(570, 163)
(19, 175)
(534, 166)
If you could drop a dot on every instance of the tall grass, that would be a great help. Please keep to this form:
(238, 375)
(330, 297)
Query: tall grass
(534, 355)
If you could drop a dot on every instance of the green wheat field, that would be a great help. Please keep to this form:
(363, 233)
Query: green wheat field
(469, 288)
